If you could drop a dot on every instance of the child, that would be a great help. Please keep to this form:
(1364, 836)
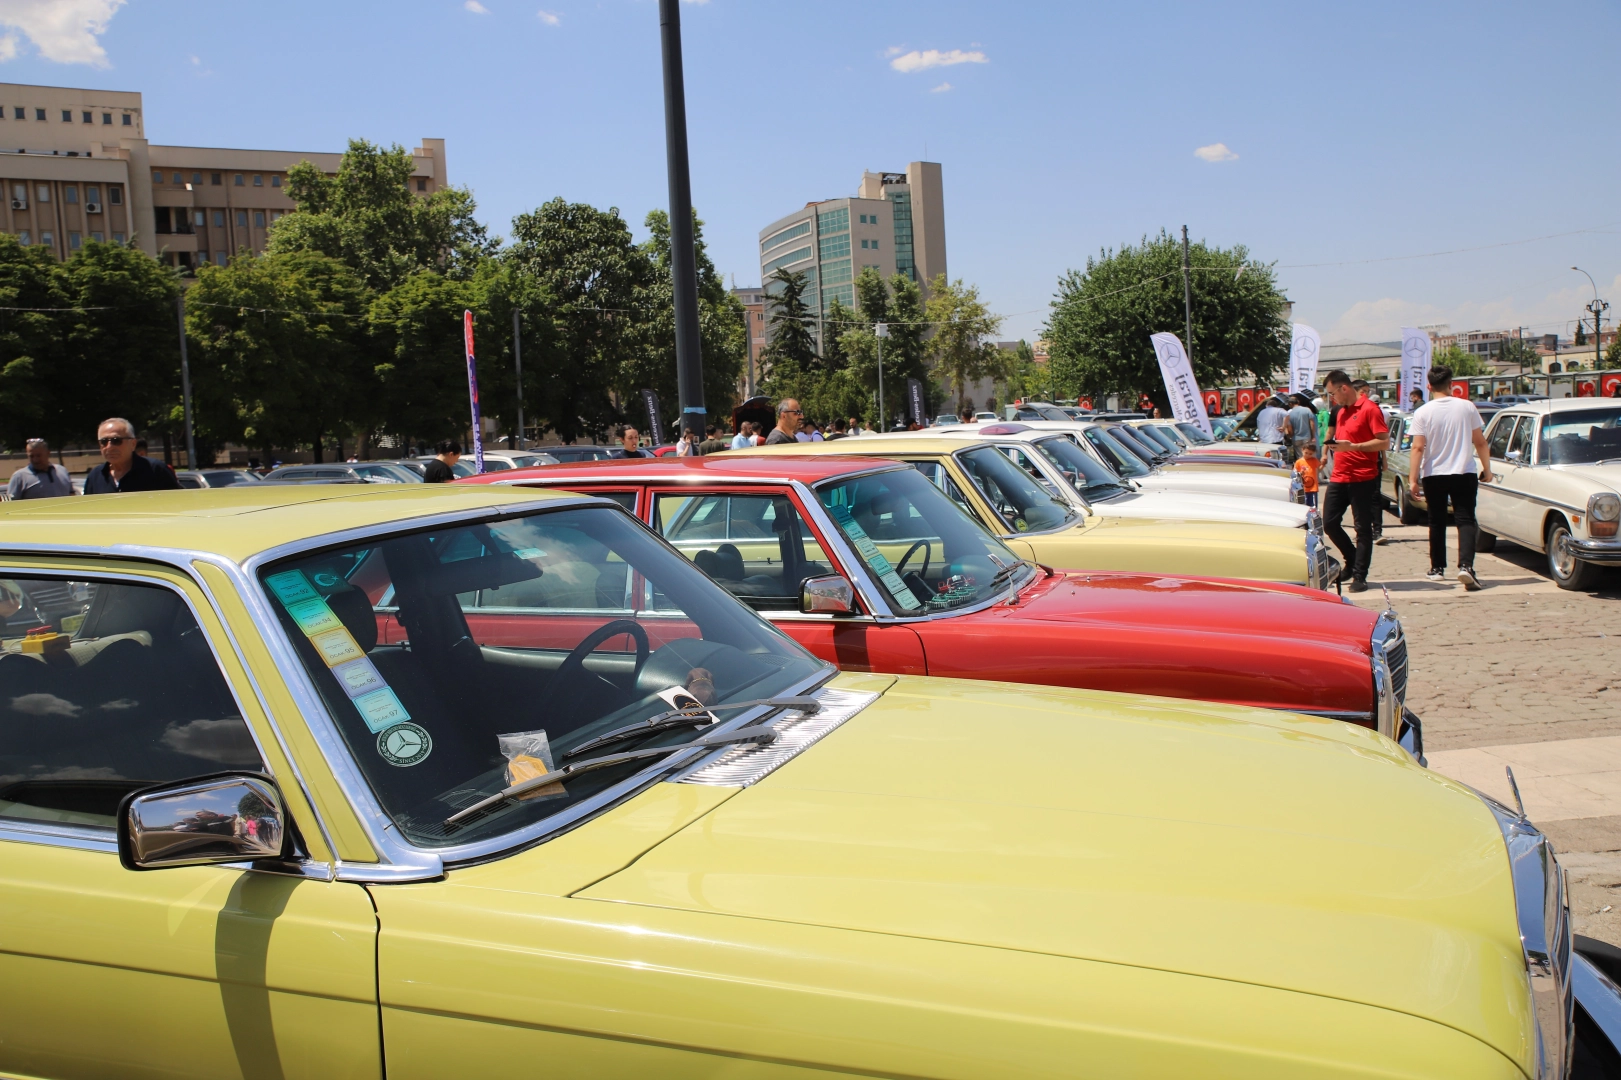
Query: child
(1307, 467)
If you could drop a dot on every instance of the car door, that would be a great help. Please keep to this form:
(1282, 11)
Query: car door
(206, 971)
(1524, 511)
(1397, 459)
(1494, 509)
(759, 545)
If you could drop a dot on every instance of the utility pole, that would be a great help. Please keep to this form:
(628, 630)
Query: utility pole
(1597, 308)
(1187, 298)
(684, 267)
(185, 379)
(517, 360)
(881, 331)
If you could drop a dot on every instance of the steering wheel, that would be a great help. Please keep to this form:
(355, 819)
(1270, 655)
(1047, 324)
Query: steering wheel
(900, 567)
(574, 664)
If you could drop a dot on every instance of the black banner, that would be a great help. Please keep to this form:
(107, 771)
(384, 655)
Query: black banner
(654, 420)
(914, 397)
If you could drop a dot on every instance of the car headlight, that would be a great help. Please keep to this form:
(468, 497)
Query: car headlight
(1603, 514)
(1544, 923)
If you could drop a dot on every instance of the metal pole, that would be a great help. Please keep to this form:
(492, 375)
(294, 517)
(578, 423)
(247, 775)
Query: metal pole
(1187, 297)
(517, 360)
(683, 260)
(185, 380)
(881, 331)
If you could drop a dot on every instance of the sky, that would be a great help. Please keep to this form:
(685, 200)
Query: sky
(1349, 145)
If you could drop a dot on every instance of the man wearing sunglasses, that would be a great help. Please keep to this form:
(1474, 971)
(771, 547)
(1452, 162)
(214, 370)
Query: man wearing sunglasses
(788, 420)
(123, 469)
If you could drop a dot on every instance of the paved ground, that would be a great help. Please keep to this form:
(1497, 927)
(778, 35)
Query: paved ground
(1526, 675)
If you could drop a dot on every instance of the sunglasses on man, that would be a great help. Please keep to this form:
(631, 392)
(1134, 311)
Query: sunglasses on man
(113, 440)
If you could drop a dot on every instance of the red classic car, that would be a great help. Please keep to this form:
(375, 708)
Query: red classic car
(870, 566)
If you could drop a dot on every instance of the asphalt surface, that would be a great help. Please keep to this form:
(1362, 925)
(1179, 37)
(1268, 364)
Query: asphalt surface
(1524, 675)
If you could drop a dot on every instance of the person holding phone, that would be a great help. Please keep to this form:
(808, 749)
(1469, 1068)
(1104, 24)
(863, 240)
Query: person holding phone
(1360, 435)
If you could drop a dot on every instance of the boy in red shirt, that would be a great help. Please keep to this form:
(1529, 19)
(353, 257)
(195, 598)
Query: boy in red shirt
(1307, 467)
(1360, 436)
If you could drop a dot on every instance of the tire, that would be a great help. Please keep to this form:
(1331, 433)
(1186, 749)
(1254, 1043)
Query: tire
(1485, 542)
(1405, 510)
(1567, 571)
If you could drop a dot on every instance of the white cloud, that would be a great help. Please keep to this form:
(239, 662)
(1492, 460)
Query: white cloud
(1551, 312)
(1215, 152)
(62, 30)
(196, 62)
(476, 8)
(908, 63)
(550, 18)
(894, 50)
(941, 89)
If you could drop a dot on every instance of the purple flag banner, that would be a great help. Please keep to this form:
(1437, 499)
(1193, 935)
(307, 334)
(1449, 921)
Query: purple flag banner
(472, 394)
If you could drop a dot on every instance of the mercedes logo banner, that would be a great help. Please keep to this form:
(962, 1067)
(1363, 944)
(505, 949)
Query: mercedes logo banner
(1303, 350)
(1183, 389)
(1415, 366)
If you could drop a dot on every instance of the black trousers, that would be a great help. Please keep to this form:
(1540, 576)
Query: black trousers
(1362, 497)
(1461, 488)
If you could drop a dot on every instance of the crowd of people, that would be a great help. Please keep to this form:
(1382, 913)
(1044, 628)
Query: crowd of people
(124, 467)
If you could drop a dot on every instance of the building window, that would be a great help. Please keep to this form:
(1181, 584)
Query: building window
(258, 219)
(219, 219)
(202, 258)
(242, 219)
(215, 179)
(19, 113)
(275, 181)
(160, 220)
(47, 239)
(86, 117)
(39, 114)
(24, 238)
(98, 237)
(238, 180)
(92, 195)
(157, 176)
(115, 194)
(67, 116)
(258, 181)
(70, 194)
(43, 191)
(75, 241)
(118, 238)
(179, 179)
(875, 245)
(422, 185)
(219, 258)
(198, 218)
(196, 179)
(127, 123)
(107, 118)
(863, 243)
(275, 216)
(19, 192)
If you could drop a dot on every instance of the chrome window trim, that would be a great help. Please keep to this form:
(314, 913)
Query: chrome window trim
(76, 835)
(1064, 488)
(59, 834)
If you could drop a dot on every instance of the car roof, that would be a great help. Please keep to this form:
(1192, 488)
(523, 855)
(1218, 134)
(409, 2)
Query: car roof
(732, 463)
(235, 522)
(926, 441)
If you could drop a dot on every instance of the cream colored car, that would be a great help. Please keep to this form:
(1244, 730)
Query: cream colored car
(1556, 485)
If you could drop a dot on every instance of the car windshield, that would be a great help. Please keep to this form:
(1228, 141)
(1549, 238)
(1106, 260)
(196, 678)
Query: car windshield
(452, 660)
(925, 553)
(1193, 434)
(227, 477)
(1024, 504)
(1146, 448)
(1166, 440)
(1094, 482)
(1124, 461)
(1580, 438)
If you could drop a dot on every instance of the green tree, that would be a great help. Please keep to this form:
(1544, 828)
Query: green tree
(838, 321)
(1612, 355)
(584, 261)
(35, 384)
(1581, 333)
(898, 304)
(1024, 378)
(789, 319)
(959, 349)
(1102, 318)
(367, 217)
(423, 379)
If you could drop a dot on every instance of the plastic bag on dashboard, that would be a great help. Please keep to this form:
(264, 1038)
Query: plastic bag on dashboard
(529, 754)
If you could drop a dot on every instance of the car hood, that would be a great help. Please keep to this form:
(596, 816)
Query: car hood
(1259, 485)
(1204, 507)
(1604, 477)
(1213, 841)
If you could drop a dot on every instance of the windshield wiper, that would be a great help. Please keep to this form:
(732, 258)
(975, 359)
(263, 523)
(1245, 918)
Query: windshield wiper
(759, 734)
(1006, 574)
(694, 716)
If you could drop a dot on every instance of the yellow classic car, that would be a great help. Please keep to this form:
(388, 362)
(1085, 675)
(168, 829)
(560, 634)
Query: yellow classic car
(1049, 529)
(300, 782)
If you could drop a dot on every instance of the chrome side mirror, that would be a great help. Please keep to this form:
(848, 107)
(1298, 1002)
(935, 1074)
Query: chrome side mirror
(829, 595)
(227, 818)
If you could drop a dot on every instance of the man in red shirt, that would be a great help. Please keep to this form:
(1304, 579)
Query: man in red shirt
(1360, 436)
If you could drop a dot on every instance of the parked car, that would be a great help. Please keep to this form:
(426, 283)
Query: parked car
(1046, 527)
(1518, 399)
(366, 472)
(986, 418)
(580, 452)
(1187, 438)
(1556, 485)
(1035, 410)
(501, 460)
(1056, 459)
(947, 420)
(209, 478)
(598, 814)
(933, 580)
(1160, 449)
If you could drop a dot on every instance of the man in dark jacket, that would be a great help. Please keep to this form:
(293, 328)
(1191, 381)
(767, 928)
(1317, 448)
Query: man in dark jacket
(442, 469)
(122, 468)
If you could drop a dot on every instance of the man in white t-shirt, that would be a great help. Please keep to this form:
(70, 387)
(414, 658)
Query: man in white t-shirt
(1269, 422)
(1447, 437)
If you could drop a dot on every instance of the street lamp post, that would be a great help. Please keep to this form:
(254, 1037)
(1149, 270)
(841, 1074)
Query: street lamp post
(683, 258)
(1597, 308)
(881, 331)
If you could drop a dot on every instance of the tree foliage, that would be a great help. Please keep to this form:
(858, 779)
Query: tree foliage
(959, 349)
(1462, 362)
(789, 334)
(1103, 316)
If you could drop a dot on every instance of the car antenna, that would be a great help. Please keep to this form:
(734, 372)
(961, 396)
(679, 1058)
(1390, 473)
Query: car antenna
(1519, 803)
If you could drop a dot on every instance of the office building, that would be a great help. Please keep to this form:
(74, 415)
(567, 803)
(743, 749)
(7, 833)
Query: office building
(76, 165)
(753, 300)
(896, 223)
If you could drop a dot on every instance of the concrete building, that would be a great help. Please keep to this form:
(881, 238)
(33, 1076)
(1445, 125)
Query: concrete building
(896, 223)
(76, 165)
(753, 300)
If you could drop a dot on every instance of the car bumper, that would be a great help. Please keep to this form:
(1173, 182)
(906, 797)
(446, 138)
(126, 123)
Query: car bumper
(1599, 998)
(1599, 552)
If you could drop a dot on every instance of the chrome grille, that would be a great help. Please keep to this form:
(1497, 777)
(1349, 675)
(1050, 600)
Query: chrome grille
(740, 766)
(1396, 657)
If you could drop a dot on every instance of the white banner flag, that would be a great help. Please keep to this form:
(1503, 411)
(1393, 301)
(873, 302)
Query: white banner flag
(1186, 402)
(1303, 352)
(1415, 366)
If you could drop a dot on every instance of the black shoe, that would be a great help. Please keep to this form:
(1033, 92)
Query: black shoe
(1466, 574)
(1357, 585)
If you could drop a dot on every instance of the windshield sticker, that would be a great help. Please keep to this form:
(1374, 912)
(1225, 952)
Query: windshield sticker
(314, 617)
(875, 559)
(336, 647)
(359, 678)
(381, 710)
(291, 588)
(405, 745)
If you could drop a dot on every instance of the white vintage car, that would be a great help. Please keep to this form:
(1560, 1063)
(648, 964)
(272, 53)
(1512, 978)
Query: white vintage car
(1556, 485)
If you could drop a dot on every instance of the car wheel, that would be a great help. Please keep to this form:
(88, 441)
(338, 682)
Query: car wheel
(1567, 571)
(1405, 510)
(1485, 541)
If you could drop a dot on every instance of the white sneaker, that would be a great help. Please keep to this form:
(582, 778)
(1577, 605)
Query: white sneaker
(1435, 575)
(1467, 576)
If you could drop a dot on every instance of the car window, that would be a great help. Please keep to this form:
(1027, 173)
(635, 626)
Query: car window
(940, 477)
(439, 651)
(758, 547)
(106, 687)
(1023, 459)
(1497, 441)
(1520, 441)
(1165, 441)
(1579, 438)
(496, 465)
(1025, 506)
(188, 481)
(627, 499)
(1124, 461)
(1093, 481)
(924, 552)
(1195, 434)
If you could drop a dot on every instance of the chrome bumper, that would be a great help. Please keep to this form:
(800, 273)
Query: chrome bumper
(1599, 998)
(1598, 552)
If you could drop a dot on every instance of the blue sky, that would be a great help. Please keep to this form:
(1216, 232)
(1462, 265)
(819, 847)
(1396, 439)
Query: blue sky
(1352, 132)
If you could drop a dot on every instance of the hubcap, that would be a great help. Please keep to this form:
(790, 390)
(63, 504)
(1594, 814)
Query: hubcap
(1563, 562)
